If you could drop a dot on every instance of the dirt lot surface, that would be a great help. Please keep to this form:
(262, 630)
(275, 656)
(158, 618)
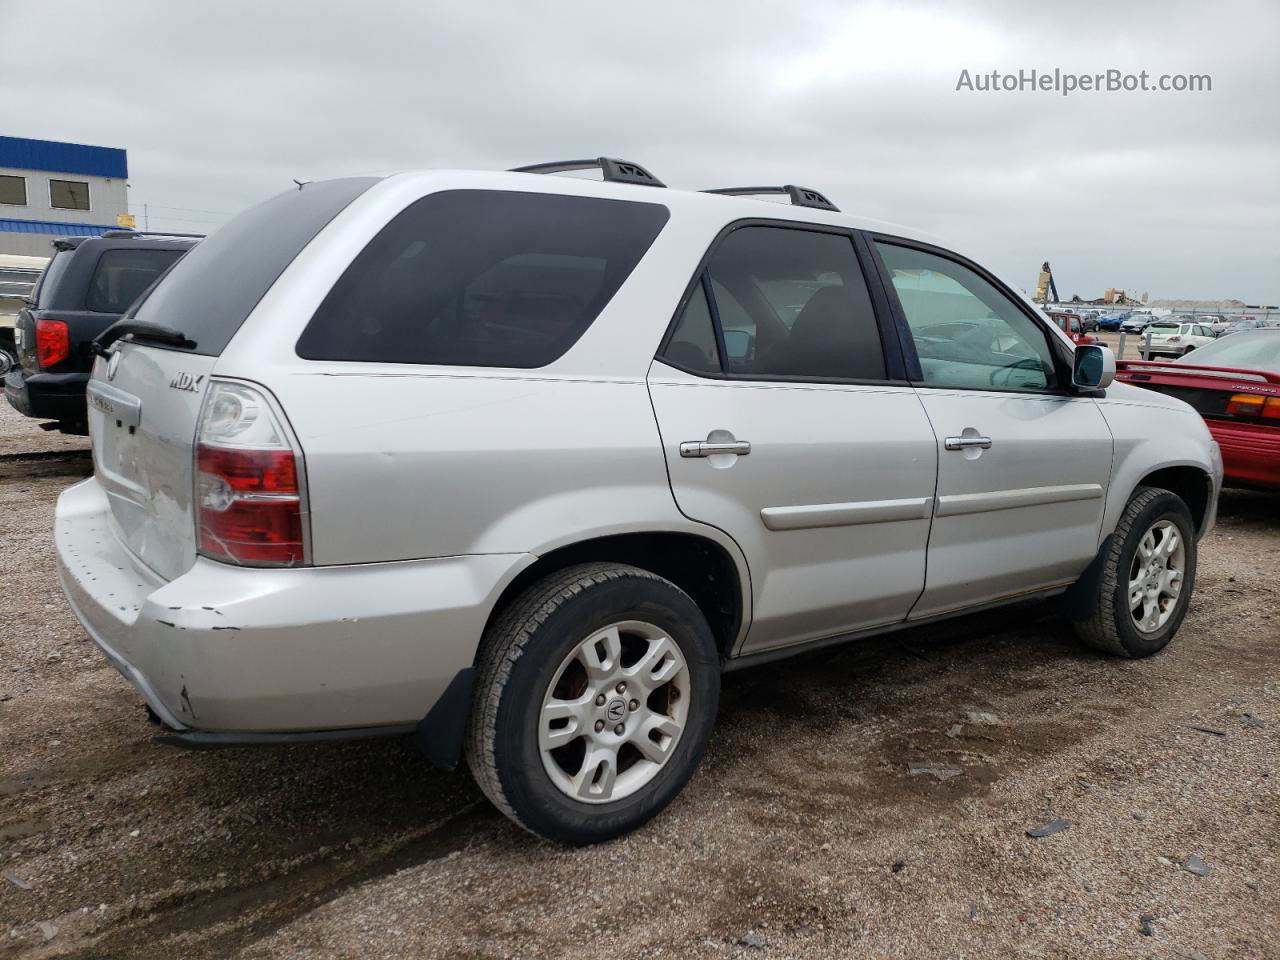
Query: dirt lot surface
(806, 833)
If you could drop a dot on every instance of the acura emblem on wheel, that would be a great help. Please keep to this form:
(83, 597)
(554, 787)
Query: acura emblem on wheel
(616, 710)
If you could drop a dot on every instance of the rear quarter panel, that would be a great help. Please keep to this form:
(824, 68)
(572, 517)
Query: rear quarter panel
(407, 466)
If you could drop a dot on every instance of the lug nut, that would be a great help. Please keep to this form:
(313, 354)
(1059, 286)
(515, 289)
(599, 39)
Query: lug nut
(618, 729)
(634, 705)
(621, 687)
(600, 700)
(599, 725)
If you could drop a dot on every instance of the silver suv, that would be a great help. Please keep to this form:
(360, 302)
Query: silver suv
(520, 464)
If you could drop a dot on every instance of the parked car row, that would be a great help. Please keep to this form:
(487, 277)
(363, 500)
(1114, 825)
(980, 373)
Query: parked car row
(521, 464)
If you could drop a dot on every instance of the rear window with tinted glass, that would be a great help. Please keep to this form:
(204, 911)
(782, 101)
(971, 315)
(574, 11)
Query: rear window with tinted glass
(122, 276)
(482, 278)
(214, 288)
(47, 285)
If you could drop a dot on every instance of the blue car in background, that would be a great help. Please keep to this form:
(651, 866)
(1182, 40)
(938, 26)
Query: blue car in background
(1112, 321)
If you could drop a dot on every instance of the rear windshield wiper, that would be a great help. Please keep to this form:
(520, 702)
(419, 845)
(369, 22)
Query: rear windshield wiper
(142, 331)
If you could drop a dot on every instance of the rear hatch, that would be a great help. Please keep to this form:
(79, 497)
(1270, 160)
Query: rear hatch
(145, 399)
(142, 417)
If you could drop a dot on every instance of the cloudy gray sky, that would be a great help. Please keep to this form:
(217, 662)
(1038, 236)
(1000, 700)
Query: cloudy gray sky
(221, 104)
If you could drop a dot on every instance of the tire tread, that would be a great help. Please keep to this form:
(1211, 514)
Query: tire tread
(504, 644)
(1098, 629)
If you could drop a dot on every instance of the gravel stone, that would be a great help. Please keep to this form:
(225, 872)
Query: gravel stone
(1197, 866)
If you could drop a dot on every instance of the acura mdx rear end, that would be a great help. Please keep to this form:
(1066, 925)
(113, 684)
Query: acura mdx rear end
(285, 533)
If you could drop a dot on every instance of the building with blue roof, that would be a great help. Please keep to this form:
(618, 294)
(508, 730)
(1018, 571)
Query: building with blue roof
(52, 189)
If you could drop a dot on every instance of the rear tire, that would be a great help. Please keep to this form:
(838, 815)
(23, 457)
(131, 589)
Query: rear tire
(1147, 578)
(597, 693)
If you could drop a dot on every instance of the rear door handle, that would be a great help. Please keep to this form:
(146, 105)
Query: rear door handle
(707, 448)
(961, 443)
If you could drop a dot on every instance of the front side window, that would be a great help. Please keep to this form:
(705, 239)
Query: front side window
(13, 190)
(790, 303)
(482, 278)
(68, 195)
(968, 334)
(122, 276)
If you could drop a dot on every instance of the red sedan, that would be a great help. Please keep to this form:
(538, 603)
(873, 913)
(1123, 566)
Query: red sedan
(1235, 384)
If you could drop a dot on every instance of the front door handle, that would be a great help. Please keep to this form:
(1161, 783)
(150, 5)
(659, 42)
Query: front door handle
(709, 448)
(961, 443)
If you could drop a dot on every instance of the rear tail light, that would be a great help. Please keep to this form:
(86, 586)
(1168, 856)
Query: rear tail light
(249, 489)
(1253, 405)
(53, 342)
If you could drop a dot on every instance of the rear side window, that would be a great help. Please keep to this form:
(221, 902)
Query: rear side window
(482, 278)
(124, 275)
(212, 290)
(789, 303)
(693, 344)
(48, 283)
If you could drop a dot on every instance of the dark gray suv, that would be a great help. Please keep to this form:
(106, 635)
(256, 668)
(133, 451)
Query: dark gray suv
(85, 288)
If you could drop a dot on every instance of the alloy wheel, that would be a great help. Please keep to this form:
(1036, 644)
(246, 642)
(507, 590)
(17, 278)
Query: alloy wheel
(1156, 576)
(614, 712)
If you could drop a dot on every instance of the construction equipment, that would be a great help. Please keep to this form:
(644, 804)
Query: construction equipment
(1116, 296)
(1046, 289)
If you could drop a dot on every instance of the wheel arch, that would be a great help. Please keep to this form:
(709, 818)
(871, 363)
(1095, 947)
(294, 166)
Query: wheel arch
(1191, 482)
(716, 580)
(699, 565)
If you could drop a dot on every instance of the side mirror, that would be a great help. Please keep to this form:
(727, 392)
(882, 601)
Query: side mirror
(1094, 367)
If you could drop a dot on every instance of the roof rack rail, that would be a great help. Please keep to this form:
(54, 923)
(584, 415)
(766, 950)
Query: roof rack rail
(800, 196)
(117, 234)
(614, 170)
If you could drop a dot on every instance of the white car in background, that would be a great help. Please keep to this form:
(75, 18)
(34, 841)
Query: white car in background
(1175, 339)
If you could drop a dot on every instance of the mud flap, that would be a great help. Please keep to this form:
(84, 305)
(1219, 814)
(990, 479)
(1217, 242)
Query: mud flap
(1078, 601)
(439, 734)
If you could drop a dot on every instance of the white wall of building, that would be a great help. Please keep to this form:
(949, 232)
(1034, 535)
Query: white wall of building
(108, 198)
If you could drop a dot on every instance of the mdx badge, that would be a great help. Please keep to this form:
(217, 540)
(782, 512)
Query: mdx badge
(185, 381)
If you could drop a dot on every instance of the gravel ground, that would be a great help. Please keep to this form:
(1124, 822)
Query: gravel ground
(806, 834)
(19, 435)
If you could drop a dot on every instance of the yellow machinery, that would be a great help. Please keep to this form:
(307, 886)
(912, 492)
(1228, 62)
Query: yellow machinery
(1045, 287)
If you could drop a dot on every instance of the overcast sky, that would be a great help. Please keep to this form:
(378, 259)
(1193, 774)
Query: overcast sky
(220, 104)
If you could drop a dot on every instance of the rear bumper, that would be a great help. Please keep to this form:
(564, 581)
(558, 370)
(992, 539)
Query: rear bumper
(233, 650)
(1250, 454)
(47, 396)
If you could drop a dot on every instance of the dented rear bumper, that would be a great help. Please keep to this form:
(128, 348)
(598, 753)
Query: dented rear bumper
(239, 650)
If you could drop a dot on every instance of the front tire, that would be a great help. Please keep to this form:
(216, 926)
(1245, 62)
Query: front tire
(597, 693)
(1147, 578)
